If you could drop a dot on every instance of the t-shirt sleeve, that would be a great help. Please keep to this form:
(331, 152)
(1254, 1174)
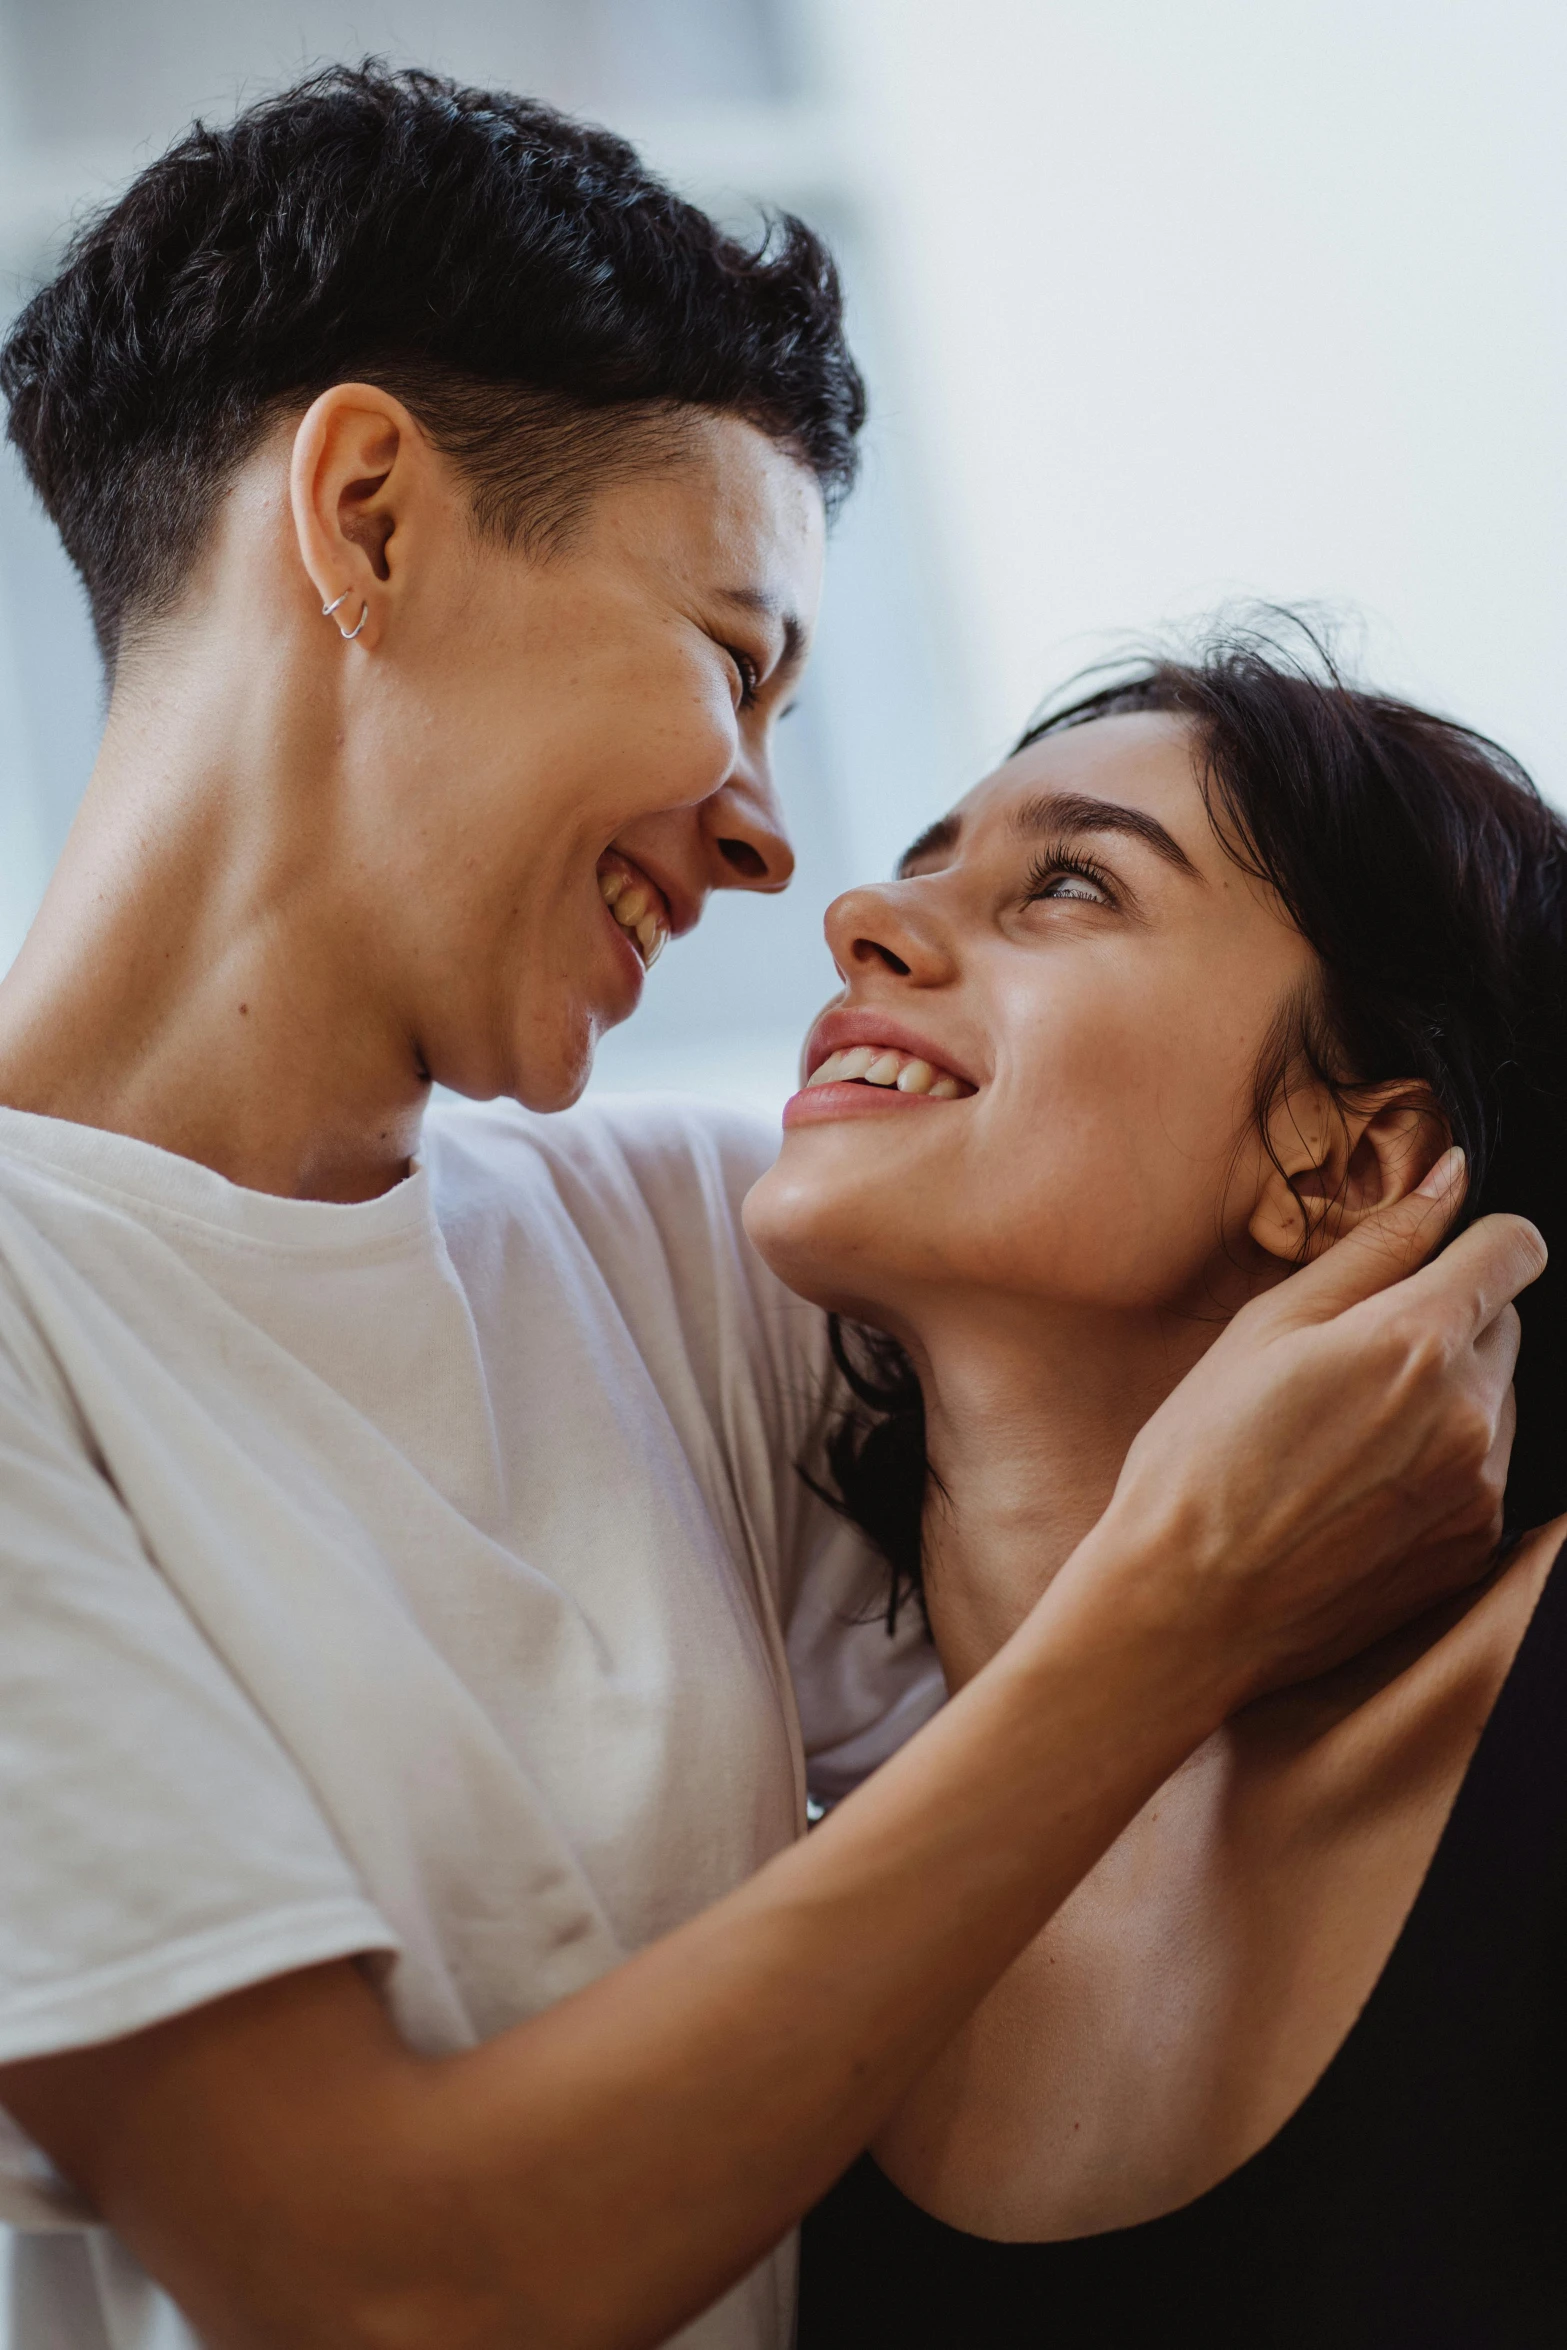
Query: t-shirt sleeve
(157, 1846)
(770, 1391)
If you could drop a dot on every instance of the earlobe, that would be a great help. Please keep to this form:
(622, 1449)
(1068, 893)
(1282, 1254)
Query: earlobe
(1305, 1147)
(1282, 1224)
(347, 634)
(345, 487)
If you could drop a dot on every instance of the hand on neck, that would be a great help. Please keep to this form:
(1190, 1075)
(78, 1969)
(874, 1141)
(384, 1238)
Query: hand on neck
(1030, 1411)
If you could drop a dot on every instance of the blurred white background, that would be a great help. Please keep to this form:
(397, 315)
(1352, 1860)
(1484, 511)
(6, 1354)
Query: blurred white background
(1163, 302)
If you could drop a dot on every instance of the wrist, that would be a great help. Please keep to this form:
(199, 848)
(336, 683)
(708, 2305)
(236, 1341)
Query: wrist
(1145, 1594)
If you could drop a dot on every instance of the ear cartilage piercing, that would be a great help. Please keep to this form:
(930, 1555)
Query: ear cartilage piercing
(347, 634)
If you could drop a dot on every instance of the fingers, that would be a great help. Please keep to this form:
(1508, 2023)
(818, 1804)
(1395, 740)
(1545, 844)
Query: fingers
(1384, 1247)
(1480, 1274)
(1496, 1350)
(1494, 1473)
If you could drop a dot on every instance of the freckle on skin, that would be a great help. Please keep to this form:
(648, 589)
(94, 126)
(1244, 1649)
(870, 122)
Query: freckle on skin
(244, 1007)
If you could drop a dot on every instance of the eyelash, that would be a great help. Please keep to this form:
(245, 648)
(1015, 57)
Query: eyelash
(749, 674)
(1052, 863)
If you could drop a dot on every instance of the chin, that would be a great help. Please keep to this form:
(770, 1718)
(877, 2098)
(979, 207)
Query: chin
(805, 1237)
(541, 1073)
(553, 1085)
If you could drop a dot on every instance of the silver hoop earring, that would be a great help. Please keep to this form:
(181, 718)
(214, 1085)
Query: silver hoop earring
(347, 634)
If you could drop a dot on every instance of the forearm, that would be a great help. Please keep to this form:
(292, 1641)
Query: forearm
(706, 2093)
(601, 2173)
(700, 2098)
(301, 2182)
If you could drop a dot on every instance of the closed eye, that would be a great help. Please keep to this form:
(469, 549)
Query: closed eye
(749, 674)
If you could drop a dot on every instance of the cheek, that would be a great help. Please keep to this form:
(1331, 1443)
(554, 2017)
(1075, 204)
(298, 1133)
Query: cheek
(656, 731)
(1105, 1144)
(675, 748)
(544, 743)
(1092, 1169)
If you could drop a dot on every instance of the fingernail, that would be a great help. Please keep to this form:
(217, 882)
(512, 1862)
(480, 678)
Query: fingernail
(1444, 1177)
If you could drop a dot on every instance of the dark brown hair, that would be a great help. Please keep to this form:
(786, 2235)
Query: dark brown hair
(1430, 879)
(543, 303)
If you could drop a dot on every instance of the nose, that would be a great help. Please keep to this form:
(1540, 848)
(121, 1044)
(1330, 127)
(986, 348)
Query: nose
(886, 927)
(743, 827)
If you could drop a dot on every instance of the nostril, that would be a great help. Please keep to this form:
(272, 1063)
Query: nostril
(871, 950)
(745, 860)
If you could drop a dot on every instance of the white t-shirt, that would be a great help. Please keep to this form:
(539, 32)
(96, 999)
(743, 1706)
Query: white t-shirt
(420, 1577)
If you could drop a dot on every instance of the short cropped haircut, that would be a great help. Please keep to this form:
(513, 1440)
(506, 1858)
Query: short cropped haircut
(549, 310)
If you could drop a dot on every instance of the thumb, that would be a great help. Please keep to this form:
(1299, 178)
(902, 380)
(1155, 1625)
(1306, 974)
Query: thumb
(1385, 1246)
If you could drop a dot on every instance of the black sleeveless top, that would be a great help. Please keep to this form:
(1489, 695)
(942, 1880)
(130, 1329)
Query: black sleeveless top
(1417, 2199)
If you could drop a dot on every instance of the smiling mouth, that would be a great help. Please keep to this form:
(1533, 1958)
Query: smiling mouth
(884, 1065)
(636, 904)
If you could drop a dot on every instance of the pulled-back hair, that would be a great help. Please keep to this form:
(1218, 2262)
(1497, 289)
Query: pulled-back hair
(1421, 865)
(543, 304)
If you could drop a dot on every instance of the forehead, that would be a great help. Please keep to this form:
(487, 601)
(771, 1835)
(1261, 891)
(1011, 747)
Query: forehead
(1142, 762)
(732, 503)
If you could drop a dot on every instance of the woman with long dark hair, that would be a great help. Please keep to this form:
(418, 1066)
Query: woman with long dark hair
(1221, 960)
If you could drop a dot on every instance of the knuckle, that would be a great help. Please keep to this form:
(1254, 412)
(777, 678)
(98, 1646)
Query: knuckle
(1465, 1437)
(1423, 1346)
(1474, 1434)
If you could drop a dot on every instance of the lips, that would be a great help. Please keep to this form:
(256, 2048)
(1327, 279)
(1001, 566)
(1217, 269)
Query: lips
(860, 1044)
(865, 1063)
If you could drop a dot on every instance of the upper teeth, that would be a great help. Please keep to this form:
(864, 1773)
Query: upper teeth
(638, 908)
(876, 1064)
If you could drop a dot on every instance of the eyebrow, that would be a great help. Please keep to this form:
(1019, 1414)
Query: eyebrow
(937, 840)
(1058, 814)
(1072, 812)
(749, 599)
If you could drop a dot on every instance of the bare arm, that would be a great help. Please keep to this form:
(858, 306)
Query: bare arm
(593, 2177)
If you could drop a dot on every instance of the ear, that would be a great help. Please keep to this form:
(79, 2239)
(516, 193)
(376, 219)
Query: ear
(358, 466)
(1334, 1160)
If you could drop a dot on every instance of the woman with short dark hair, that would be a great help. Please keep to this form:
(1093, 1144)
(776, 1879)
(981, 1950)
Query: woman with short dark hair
(402, 1564)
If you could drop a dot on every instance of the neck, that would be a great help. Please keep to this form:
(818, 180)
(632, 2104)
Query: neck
(194, 977)
(1029, 1416)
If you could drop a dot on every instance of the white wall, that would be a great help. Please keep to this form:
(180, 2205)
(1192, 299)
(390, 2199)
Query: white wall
(1237, 295)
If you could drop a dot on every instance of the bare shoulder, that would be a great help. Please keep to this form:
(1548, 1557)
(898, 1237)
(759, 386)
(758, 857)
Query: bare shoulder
(1515, 1593)
(1536, 1553)
(1477, 1649)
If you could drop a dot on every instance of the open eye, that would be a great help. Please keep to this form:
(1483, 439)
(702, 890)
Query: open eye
(1065, 874)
